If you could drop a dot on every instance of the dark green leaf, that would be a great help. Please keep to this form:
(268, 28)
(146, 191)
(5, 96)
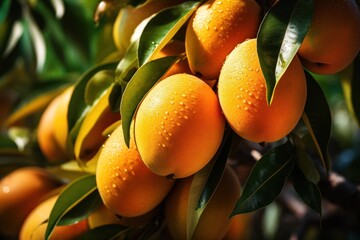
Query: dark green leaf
(266, 179)
(123, 73)
(78, 106)
(115, 97)
(104, 232)
(351, 87)
(69, 38)
(305, 164)
(82, 209)
(68, 198)
(138, 86)
(7, 144)
(6, 25)
(355, 89)
(307, 190)
(99, 83)
(127, 66)
(162, 27)
(4, 10)
(205, 182)
(317, 118)
(280, 35)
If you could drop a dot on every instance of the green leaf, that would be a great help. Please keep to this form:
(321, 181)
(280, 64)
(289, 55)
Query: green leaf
(142, 81)
(355, 89)
(69, 198)
(307, 190)
(317, 118)
(305, 164)
(128, 65)
(279, 37)
(7, 144)
(99, 83)
(82, 209)
(6, 25)
(350, 79)
(204, 184)
(78, 106)
(266, 180)
(4, 10)
(115, 97)
(104, 232)
(162, 27)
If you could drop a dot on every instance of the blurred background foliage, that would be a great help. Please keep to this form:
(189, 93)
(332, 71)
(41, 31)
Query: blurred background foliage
(44, 46)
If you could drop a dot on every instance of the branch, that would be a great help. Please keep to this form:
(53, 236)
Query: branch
(341, 192)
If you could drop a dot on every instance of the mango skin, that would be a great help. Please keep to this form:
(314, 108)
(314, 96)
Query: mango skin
(215, 29)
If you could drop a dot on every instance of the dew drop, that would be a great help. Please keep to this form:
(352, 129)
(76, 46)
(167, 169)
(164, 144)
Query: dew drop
(114, 186)
(185, 117)
(163, 145)
(172, 102)
(179, 124)
(238, 96)
(181, 103)
(166, 113)
(124, 178)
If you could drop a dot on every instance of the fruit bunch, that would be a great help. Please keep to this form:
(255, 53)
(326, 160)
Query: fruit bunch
(150, 134)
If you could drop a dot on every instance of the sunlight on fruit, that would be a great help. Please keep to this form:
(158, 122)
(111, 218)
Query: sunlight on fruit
(126, 186)
(242, 95)
(186, 126)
